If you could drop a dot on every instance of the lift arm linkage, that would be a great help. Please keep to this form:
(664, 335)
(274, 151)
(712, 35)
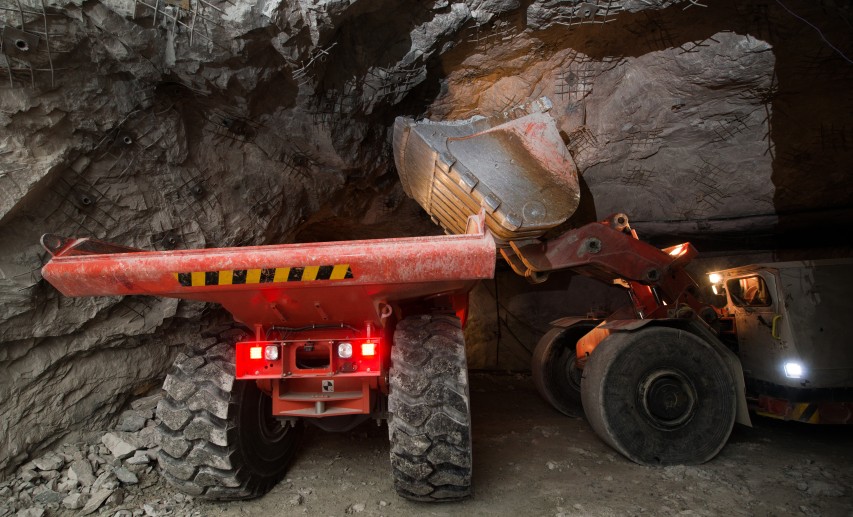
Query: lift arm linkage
(610, 251)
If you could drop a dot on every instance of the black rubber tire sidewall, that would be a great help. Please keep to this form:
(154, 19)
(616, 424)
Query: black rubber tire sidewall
(610, 386)
(549, 366)
(212, 445)
(265, 453)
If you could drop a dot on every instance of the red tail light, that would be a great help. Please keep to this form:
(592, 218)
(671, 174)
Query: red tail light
(256, 352)
(368, 349)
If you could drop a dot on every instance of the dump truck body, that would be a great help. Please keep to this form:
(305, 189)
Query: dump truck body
(319, 295)
(291, 285)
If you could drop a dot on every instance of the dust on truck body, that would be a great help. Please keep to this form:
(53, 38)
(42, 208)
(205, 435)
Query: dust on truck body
(339, 332)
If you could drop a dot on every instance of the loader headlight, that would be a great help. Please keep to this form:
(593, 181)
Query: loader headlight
(345, 350)
(677, 250)
(716, 281)
(271, 352)
(794, 370)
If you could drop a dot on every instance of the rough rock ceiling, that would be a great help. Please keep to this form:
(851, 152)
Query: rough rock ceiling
(189, 123)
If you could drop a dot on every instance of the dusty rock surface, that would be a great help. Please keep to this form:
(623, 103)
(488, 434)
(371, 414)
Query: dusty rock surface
(173, 125)
(528, 460)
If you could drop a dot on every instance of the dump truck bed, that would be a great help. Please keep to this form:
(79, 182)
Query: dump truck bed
(290, 284)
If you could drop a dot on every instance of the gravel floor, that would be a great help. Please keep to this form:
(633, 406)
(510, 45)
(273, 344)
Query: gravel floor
(528, 460)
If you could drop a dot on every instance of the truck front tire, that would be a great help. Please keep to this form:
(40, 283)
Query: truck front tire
(218, 436)
(429, 420)
(659, 396)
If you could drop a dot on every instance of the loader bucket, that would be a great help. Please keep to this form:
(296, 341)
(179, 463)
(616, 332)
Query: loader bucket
(519, 171)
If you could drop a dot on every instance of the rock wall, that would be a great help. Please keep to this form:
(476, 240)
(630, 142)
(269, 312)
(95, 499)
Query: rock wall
(197, 123)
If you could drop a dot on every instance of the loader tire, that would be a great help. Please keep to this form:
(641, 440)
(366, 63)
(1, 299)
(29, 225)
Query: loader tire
(659, 396)
(555, 375)
(218, 437)
(429, 412)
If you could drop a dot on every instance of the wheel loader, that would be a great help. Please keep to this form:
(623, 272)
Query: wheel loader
(340, 332)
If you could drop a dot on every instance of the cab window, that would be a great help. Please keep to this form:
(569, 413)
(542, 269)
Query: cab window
(750, 291)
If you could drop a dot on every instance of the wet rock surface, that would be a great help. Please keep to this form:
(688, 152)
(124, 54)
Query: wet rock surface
(536, 463)
(235, 122)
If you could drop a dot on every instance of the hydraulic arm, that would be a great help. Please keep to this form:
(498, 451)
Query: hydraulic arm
(610, 251)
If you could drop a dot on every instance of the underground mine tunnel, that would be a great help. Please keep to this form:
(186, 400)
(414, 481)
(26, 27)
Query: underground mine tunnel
(381, 125)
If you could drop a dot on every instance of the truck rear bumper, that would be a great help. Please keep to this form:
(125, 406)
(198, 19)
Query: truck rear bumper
(324, 397)
(334, 374)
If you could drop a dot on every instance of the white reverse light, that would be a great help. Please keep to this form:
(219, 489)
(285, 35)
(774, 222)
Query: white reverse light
(794, 370)
(271, 352)
(715, 278)
(345, 350)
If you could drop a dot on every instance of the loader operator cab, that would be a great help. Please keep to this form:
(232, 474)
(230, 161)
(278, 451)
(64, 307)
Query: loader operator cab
(752, 322)
(786, 321)
(749, 291)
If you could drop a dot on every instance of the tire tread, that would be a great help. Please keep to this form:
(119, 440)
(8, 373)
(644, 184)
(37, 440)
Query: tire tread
(429, 420)
(200, 455)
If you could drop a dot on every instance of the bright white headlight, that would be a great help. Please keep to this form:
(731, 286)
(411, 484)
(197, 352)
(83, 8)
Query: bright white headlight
(345, 350)
(715, 278)
(271, 352)
(793, 370)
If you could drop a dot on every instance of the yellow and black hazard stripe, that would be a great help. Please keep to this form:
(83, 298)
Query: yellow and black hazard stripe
(806, 412)
(264, 276)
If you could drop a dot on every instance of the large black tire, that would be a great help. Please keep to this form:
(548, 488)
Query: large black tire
(429, 413)
(555, 375)
(219, 438)
(659, 396)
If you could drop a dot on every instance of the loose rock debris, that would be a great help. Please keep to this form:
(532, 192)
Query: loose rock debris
(116, 476)
(774, 469)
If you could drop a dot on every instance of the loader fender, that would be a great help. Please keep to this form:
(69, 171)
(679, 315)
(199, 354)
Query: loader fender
(696, 328)
(571, 321)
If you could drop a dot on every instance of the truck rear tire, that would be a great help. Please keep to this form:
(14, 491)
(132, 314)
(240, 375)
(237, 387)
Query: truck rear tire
(555, 375)
(218, 436)
(659, 396)
(429, 412)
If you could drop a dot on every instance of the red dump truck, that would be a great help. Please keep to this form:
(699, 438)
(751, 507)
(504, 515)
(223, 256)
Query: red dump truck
(340, 332)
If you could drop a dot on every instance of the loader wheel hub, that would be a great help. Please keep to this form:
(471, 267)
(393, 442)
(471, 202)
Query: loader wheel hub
(668, 398)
